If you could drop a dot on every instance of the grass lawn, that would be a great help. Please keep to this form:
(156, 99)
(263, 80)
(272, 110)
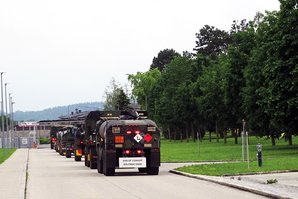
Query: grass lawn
(279, 157)
(5, 154)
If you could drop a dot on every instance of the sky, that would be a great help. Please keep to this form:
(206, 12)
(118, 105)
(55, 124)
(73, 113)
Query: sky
(61, 52)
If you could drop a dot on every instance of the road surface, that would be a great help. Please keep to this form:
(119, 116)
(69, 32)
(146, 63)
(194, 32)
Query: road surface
(53, 176)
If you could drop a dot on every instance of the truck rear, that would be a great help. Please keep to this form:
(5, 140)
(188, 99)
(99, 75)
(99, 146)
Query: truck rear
(128, 143)
(79, 145)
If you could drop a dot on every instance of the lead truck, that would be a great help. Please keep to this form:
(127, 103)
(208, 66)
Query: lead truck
(128, 140)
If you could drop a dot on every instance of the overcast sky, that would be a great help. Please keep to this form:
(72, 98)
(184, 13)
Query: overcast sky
(60, 52)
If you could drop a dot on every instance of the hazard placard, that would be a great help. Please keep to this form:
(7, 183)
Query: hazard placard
(132, 162)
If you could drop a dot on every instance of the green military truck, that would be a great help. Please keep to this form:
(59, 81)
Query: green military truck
(130, 141)
(65, 141)
(79, 145)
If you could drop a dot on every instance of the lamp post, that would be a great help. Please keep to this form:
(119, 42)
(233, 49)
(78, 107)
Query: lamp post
(9, 107)
(6, 118)
(2, 113)
(11, 123)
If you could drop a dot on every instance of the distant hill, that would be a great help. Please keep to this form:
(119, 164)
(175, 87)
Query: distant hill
(55, 112)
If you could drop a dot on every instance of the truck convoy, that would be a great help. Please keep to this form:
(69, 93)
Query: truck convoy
(113, 140)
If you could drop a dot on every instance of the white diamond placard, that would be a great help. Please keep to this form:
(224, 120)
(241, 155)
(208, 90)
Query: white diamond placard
(138, 138)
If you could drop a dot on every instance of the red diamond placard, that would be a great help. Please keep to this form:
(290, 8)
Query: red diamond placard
(147, 137)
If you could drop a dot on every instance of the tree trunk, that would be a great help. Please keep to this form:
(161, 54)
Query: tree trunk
(170, 138)
(193, 132)
(290, 139)
(235, 131)
(187, 132)
(225, 136)
(209, 136)
(181, 137)
(216, 131)
(272, 139)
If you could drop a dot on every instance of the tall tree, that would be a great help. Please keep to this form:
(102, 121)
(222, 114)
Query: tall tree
(143, 84)
(279, 93)
(115, 97)
(163, 58)
(211, 41)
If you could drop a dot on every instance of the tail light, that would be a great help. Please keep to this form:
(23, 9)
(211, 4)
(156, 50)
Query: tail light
(79, 152)
(126, 152)
(81, 142)
(128, 132)
(137, 132)
(119, 139)
(139, 152)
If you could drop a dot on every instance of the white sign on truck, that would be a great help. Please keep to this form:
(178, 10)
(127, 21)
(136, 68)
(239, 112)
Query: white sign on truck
(132, 162)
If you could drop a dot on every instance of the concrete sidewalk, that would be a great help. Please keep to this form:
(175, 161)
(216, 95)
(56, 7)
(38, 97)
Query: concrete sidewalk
(286, 186)
(13, 175)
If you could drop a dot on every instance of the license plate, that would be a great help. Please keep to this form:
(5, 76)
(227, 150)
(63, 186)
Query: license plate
(134, 162)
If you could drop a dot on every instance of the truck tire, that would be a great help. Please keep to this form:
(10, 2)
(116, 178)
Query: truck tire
(142, 170)
(109, 171)
(68, 154)
(92, 161)
(77, 158)
(99, 165)
(152, 170)
(87, 163)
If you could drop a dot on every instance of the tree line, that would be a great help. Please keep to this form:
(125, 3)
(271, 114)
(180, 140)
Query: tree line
(246, 75)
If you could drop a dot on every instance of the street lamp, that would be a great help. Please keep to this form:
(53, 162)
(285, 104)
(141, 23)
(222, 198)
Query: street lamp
(11, 123)
(2, 112)
(7, 131)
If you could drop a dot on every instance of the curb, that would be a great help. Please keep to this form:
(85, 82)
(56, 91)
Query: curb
(262, 193)
(22, 194)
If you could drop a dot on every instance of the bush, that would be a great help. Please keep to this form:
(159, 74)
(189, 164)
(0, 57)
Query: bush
(44, 140)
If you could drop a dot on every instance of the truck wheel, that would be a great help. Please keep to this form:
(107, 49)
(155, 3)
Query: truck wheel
(68, 154)
(99, 165)
(142, 170)
(78, 158)
(87, 163)
(92, 161)
(152, 170)
(109, 171)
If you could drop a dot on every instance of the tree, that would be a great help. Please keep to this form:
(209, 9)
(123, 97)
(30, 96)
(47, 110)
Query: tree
(143, 84)
(279, 92)
(163, 58)
(211, 101)
(115, 98)
(211, 41)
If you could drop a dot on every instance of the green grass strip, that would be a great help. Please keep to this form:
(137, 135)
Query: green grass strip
(5, 154)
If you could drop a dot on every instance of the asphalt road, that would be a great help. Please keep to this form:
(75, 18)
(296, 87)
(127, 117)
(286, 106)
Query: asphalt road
(53, 176)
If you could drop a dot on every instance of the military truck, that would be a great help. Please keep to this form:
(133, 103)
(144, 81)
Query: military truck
(79, 145)
(129, 141)
(65, 141)
(90, 138)
(53, 135)
(58, 141)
